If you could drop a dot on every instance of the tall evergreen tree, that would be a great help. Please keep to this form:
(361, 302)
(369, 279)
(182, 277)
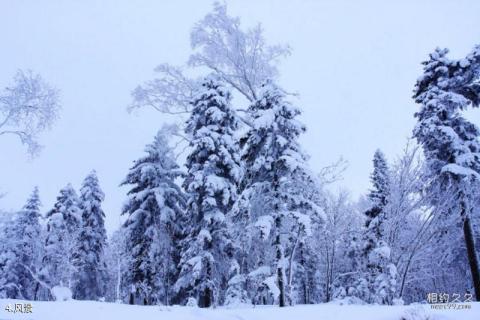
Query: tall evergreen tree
(376, 280)
(29, 235)
(63, 223)
(213, 174)
(155, 206)
(88, 260)
(378, 197)
(8, 265)
(22, 253)
(276, 167)
(450, 142)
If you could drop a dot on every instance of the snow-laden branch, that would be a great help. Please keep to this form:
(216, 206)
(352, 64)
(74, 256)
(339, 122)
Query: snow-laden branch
(36, 278)
(171, 92)
(241, 58)
(28, 107)
(333, 172)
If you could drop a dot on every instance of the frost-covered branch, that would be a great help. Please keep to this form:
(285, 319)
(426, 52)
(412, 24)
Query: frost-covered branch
(36, 278)
(171, 92)
(28, 107)
(242, 58)
(333, 172)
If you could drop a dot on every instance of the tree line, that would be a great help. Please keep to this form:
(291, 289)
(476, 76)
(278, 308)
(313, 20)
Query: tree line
(245, 220)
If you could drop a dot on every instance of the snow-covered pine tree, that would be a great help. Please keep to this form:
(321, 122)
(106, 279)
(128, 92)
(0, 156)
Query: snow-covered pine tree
(88, 281)
(450, 142)
(8, 259)
(377, 278)
(214, 171)
(21, 255)
(154, 207)
(378, 197)
(63, 223)
(29, 234)
(276, 171)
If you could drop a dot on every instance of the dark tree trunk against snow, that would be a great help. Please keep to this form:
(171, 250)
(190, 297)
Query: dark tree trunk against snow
(37, 288)
(206, 299)
(405, 272)
(280, 258)
(305, 278)
(471, 251)
(278, 243)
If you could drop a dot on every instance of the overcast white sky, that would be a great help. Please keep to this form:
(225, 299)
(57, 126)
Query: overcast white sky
(354, 64)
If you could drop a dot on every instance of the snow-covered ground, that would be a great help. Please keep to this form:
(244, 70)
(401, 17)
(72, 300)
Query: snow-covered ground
(80, 310)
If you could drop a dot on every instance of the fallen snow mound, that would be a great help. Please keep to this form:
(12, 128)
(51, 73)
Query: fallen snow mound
(61, 293)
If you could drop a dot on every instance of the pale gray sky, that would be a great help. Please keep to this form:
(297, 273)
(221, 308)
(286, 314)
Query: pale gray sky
(354, 64)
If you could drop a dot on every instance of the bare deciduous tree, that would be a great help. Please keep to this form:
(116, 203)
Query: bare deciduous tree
(28, 107)
(241, 58)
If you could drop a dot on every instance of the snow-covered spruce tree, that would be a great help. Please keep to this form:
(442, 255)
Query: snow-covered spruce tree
(376, 282)
(8, 259)
(88, 281)
(378, 197)
(154, 207)
(276, 170)
(21, 255)
(450, 142)
(9, 264)
(63, 223)
(211, 183)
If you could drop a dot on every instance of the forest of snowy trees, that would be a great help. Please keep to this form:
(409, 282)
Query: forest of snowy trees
(223, 208)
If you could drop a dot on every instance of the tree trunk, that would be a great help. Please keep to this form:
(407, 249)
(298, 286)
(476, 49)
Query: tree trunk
(306, 293)
(290, 266)
(472, 253)
(278, 242)
(119, 280)
(166, 273)
(305, 282)
(327, 272)
(206, 297)
(37, 288)
(330, 276)
(280, 267)
(281, 287)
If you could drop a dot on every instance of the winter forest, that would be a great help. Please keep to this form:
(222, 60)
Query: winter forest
(223, 208)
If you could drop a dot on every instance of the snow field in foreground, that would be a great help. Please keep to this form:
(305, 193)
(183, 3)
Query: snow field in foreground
(81, 310)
